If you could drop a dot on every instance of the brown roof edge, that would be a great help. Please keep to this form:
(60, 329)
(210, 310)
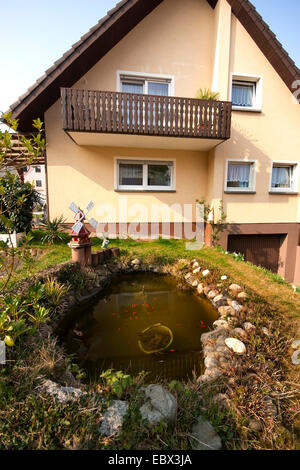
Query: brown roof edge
(266, 40)
(111, 29)
(80, 58)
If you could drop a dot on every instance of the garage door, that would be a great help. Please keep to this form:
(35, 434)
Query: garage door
(262, 250)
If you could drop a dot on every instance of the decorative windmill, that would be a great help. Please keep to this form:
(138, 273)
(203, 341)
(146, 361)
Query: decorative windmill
(80, 234)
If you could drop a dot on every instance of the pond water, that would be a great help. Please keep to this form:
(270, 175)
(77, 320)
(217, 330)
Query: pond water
(142, 322)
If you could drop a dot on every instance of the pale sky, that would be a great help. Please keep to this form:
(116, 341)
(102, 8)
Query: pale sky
(34, 34)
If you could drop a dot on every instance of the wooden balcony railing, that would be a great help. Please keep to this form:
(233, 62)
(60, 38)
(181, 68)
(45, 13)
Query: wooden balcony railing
(128, 113)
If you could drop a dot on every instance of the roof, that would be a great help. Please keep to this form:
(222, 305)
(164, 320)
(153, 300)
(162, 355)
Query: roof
(118, 22)
(18, 155)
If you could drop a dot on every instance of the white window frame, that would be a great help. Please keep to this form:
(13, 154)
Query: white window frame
(145, 187)
(257, 80)
(252, 185)
(124, 75)
(295, 177)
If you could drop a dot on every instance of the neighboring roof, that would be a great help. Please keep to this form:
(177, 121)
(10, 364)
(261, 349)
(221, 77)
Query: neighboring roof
(118, 22)
(19, 155)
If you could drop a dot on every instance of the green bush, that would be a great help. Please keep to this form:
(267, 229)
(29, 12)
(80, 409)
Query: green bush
(17, 200)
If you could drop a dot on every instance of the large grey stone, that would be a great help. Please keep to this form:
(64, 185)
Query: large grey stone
(113, 418)
(162, 405)
(60, 393)
(204, 436)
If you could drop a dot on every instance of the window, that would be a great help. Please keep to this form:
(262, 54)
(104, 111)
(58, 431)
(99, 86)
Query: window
(143, 176)
(284, 177)
(243, 94)
(38, 169)
(38, 183)
(158, 85)
(246, 93)
(240, 176)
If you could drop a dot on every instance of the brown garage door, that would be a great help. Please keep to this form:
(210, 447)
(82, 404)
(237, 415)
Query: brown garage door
(262, 250)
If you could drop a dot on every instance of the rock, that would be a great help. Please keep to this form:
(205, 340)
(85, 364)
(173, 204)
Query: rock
(162, 406)
(248, 327)
(226, 311)
(195, 284)
(135, 262)
(196, 265)
(187, 276)
(213, 335)
(200, 289)
(236, 306)
(196, 271)
(222, 400)
(113, 418)
(235, 345)
(205, 273)
(270, 407)
(255, 425)
(296, 358)
(211, 362)
(221, 324)
(60, 393)
(220, 301)
(224, 278)
(239, 332)
(214, 373)
(204, 436)
(243, 296)
(235, 289)
(206, 290)
(265, 331)
(296, 344)
(212, 294)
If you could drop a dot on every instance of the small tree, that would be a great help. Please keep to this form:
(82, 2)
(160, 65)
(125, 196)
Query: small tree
(16, 198)
(217, 223)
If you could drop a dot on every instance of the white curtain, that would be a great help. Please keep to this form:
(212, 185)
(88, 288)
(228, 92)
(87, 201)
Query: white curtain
(242, 95)
(281, 177)
(132, 87)
(239, 174)
(131, 174)
(159, 89)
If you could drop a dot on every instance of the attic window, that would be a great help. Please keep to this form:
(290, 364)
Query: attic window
(246, 93)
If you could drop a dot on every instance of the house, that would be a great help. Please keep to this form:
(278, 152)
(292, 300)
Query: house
(124, 129)
(36, 175)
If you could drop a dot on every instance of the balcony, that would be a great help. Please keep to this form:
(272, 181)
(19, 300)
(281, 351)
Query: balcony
(108, 118)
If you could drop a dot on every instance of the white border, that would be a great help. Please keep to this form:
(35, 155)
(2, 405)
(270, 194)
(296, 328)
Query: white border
(144, 188)
(258, 79)
(252, 187)
(295, 178)
(146, 76)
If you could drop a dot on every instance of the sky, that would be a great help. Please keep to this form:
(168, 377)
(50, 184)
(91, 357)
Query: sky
(34, 34)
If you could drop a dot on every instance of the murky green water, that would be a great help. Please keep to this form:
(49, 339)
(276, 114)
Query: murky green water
(105, 333)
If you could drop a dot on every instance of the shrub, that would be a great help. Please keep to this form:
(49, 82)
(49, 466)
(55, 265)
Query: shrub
(17, 200)
(53, 230)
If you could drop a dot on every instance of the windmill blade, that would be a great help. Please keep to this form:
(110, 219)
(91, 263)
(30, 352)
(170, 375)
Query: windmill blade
(93, 223)
(77, 227)
(73, 207)
(90, 206)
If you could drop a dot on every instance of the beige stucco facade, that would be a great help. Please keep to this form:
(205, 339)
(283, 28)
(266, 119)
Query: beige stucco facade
(195, 46)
